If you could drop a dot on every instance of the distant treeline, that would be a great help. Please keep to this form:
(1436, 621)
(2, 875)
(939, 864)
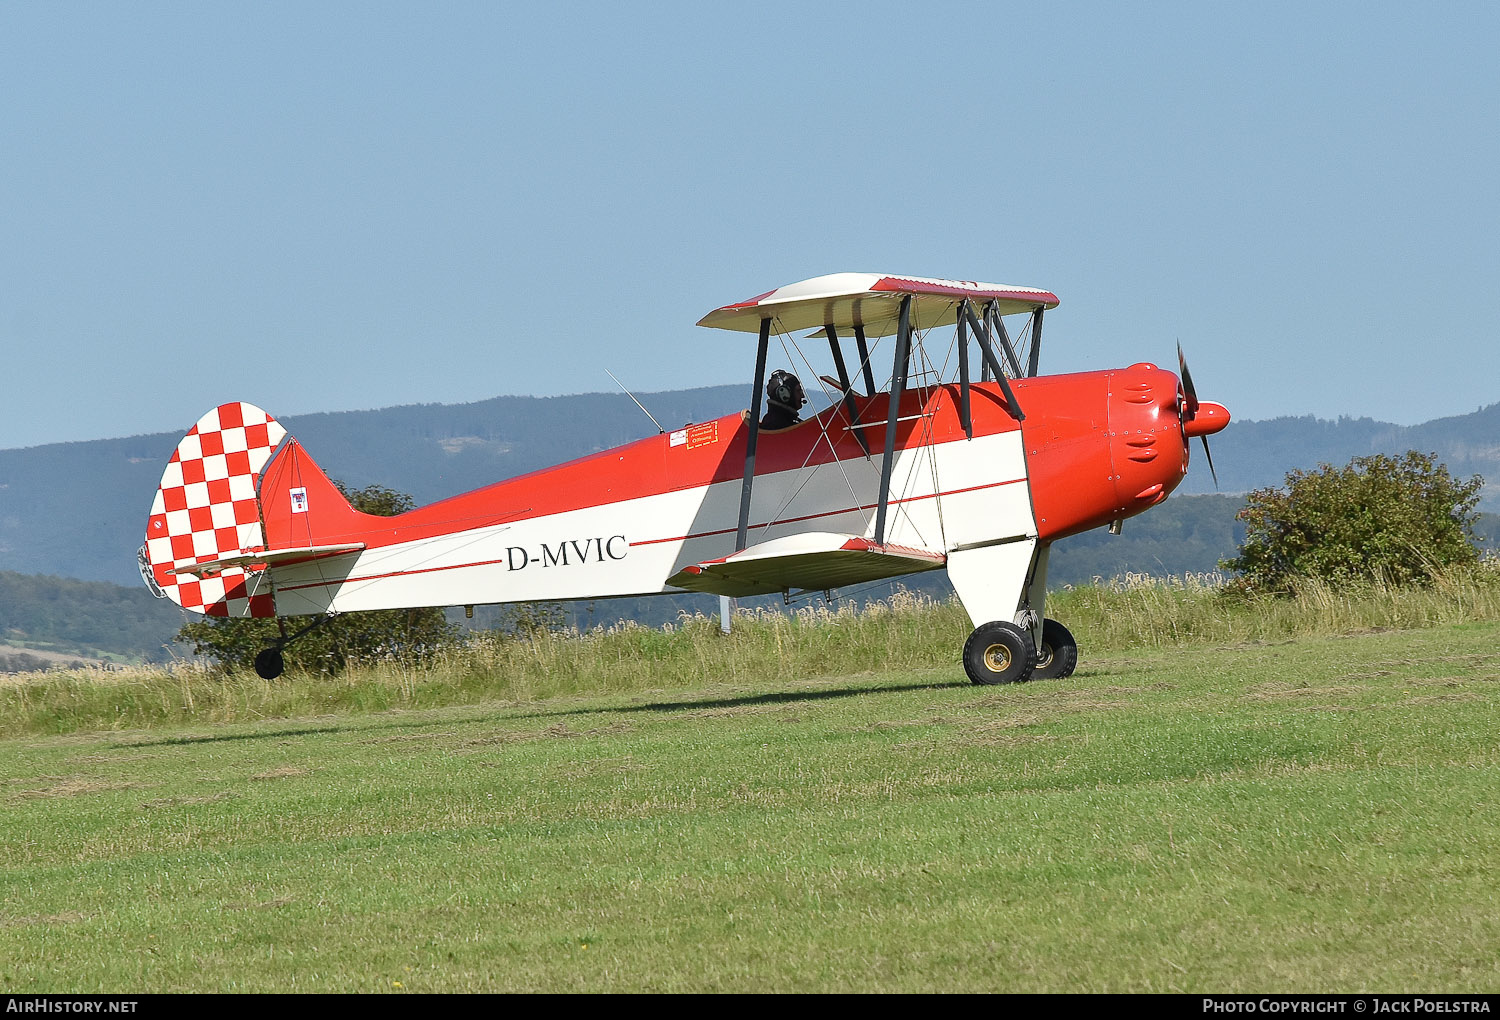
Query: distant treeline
(24, 662)
(1254, 454)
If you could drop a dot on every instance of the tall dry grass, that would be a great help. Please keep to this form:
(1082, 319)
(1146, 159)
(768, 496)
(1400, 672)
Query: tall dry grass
(909, 631)
(1138, 611)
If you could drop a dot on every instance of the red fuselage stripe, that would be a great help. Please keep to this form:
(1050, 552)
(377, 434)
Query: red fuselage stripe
(650, 541)
(381, 577)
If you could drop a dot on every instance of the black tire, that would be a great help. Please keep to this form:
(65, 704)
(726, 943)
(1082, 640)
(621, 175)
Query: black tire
(999, 653)
(1058, 655)
(269, 664)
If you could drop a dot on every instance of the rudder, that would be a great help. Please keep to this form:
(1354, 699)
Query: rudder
(206, 507)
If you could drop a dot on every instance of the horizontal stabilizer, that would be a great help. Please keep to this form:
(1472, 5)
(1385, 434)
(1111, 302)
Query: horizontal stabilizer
(269, 558)
(816, 561)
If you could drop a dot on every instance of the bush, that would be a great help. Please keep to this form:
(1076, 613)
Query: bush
(1394, 520)
(405, 635)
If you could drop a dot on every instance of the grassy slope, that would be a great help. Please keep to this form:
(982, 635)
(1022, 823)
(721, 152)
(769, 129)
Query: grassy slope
(1310, 816)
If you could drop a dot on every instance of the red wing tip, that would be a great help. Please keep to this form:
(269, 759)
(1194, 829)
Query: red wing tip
(964, 288)
(751, 303)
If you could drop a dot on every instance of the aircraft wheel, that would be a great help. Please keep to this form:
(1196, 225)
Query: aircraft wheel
(1058, 655)
(269, 663)
(999, 653)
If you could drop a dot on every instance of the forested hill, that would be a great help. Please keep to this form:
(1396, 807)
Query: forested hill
(79, 509)
(93, 619)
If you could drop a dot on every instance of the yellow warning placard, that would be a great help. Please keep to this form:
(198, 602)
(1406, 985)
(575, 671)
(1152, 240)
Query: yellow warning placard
(702, 435)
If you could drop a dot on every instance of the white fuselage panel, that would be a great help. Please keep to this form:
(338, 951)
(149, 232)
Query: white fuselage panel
(945, 496)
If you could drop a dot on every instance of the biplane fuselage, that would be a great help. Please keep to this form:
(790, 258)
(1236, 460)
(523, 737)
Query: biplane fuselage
(719, 506)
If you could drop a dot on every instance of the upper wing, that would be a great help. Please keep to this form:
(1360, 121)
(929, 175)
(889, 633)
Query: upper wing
(872, 301)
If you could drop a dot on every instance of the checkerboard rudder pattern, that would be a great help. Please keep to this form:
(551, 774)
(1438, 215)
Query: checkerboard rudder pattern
(206, 507)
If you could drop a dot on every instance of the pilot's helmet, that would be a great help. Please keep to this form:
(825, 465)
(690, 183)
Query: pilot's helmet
(785, 390)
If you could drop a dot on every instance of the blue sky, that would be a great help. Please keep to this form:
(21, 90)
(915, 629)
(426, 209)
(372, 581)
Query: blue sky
(325, 207)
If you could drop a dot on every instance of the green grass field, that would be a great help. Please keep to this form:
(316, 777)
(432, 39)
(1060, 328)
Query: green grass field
(1309, 815)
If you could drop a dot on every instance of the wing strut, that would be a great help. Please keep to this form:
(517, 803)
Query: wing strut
(981, 333)
(1036, 342)
(892, 414)
(992, 363)
(864, 358)
(741, 534)
(963, 371)
(849, 408)
(992, 318)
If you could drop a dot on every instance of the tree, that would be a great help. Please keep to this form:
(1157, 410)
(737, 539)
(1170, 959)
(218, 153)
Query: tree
(1391, 518)
(396, 633)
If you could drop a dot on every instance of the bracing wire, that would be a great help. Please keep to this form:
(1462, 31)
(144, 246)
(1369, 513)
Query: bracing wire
(823, 437)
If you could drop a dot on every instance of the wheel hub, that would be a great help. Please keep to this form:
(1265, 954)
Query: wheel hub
(997, 658)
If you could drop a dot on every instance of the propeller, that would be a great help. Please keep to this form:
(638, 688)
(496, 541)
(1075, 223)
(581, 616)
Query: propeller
(1190, 408)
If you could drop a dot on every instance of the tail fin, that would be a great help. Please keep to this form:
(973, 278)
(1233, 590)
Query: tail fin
(302, 509)
(207, 508)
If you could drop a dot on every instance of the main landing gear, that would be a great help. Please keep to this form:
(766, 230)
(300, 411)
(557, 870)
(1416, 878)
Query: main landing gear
(1002, 653)
(1058, 655)
(269, 663)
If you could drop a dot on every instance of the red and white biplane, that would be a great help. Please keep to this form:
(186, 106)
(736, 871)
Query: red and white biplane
(934, 469)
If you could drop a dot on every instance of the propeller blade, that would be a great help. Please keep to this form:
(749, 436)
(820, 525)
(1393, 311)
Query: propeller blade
(1215, 418)
(1189, 390)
